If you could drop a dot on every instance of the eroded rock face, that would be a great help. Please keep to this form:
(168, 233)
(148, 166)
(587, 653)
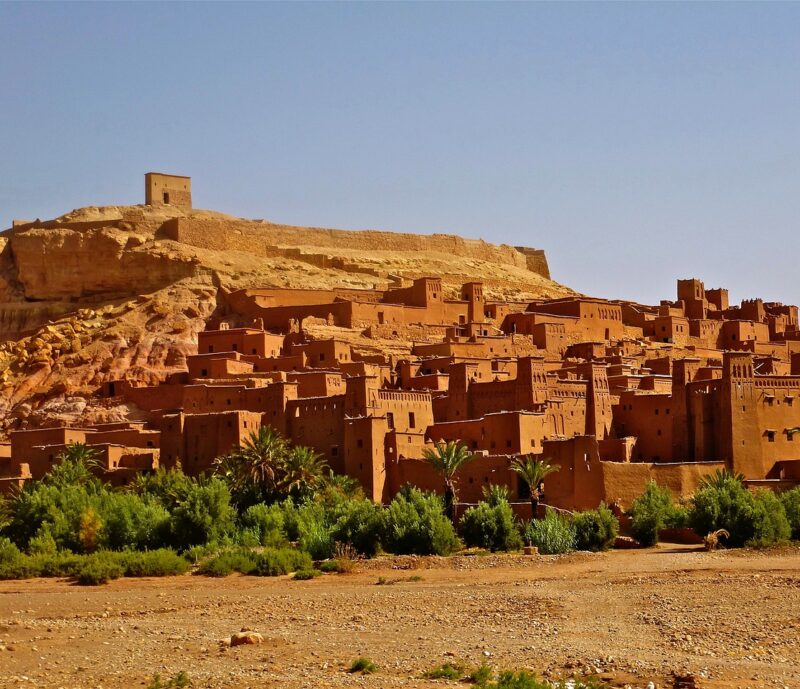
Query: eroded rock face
(59, 264)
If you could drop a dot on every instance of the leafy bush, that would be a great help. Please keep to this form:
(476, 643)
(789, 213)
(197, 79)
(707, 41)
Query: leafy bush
(266, 521)
(491, 526)
(228, 562)
(306, 574)
(791, 506)
(552, 535)
(358, 524)
(651, 512)
(204, 514)
(179, 681)
(276, 561)
(414, 524)
(451, 671)
(595, 530)
(770, 524)
(8, 551)
(99, 568)
(316, 538)
(481, 675)
(363, 665)
(131, 522)
(154, 563)
(60, 564)
(750, 518)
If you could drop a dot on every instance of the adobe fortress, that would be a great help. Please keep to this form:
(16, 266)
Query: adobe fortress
(371, 346)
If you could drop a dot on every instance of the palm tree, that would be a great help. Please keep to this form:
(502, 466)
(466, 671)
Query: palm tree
(720, 479)
(446, 459)
(302, 472)
(75, 465)
(252, 469)
(533, 472)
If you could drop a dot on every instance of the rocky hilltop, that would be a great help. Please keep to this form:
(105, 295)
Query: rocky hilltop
(119, 292)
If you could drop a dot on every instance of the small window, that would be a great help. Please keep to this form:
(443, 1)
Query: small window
(334, 451)
(360, 443)
(412, 421)
(204, 373)
(322, 356)
(235, 347)
(771, 436)
(390, 420)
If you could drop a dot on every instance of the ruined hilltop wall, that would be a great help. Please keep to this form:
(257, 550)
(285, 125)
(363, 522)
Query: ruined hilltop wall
(536, 261)
(270, 239)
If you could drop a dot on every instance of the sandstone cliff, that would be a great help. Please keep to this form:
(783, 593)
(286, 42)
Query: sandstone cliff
(121, 292)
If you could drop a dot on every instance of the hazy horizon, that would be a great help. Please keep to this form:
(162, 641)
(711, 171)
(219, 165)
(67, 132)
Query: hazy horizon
(634, 143)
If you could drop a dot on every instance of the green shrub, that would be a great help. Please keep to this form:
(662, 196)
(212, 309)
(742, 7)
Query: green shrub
(228, 562)
(358, 523)
(520, 680)
(363, 665)
(595, 530)
(770, 524)
(316, 539)
(266, 521)
(490, 526)
(99, 568)
(552, 535)
(179, 681)
(205, 514)
(131, 522)
(329, 566)
(414, 523)
(791, 506)
(650, 513)
(451, 671)
(306, 574)
(59, 564)
(154, 563)
(274, 562)
(15, 565)
(481, 675)
(750, 518)
(42, 543)
(8, 551)
(166, 487)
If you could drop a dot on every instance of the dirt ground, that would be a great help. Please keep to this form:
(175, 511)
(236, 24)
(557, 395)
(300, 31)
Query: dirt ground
(730, 618)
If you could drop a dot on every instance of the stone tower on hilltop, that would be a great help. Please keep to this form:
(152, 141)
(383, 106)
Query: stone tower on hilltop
(172, 190)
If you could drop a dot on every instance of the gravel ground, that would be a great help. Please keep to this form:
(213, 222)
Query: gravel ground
(731, 619)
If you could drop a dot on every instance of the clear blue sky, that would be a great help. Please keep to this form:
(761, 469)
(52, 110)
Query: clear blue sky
(636, 143)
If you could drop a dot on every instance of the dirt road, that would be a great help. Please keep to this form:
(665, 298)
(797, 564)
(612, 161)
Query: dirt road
(730, 618)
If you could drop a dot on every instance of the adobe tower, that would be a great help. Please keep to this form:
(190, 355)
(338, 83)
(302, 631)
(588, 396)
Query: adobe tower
(172, 190)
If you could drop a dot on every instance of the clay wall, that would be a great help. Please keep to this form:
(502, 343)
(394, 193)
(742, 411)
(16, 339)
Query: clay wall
(323, 353)
(499, 433)
(318, 383)
(470, 479)
(319, 423)
(648, 418)
(263, 237)
(208, 436)
(243, 340)
(224, 365)
(364, 454)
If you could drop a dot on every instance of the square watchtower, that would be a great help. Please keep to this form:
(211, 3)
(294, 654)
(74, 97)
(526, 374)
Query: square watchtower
(172, 190)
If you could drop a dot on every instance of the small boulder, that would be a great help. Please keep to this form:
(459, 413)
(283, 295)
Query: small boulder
(242, 638)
